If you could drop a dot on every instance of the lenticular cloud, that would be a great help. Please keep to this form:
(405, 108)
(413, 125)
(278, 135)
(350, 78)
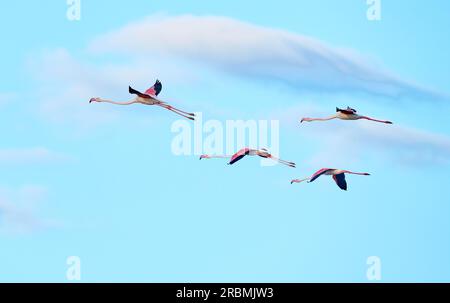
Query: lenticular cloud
(258, 52)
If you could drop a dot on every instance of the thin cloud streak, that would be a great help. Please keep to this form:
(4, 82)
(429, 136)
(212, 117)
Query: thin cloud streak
(19, 210)
(27, 156)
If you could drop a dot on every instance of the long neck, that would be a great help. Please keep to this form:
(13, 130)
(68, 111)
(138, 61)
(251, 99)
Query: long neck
(118, 103)
(214, 156)
(319, 119)
(300, 180)
(353, 173)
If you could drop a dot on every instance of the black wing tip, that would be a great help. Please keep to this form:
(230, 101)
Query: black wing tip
(157, 86)
(343, 187)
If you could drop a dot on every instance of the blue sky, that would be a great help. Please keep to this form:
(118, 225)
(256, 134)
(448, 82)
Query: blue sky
(102, 183)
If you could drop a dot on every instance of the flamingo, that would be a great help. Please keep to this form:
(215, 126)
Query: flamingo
(338, 176)
(345, 114)
(249, 152)
(148, 98)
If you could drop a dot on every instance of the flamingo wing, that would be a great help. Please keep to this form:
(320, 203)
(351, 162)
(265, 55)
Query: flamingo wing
(348, 111)
(239, 155)
(142, 95)
(319, 173)
(340, 181)
(351, 109)
(155, 89)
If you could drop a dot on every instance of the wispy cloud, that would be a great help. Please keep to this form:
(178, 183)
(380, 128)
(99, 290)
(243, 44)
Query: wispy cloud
(344, 142)
(242, 48)
(66, 84)
(26, 156)
(19, 212)
(5, 98)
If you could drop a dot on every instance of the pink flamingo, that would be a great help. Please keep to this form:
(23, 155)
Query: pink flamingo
(338, 176)
(249, 152)
(148, 98)
(344, 114)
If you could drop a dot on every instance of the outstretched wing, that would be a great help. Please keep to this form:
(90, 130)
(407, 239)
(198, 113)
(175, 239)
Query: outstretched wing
(351, 109)
(155, 89)
(136, 92)
(348, 111)
(319, 173)
(239, 155)
(340, 181)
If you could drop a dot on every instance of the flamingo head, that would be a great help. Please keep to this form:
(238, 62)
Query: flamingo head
(366, 174)
(94, 100)
(204, 157)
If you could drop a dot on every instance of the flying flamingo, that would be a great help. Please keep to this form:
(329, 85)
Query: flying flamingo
(338, 176)
(148, 98)
(249, 152)
(345, 114)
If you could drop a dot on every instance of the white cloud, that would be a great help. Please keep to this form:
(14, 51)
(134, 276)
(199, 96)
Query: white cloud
(19, 210)
(344, 142)
(5, 98)
(402, 145)
(67, 84)
(258, 52)
(25, 156)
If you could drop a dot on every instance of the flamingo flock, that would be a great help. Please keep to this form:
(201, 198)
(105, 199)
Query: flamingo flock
(150, 97)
